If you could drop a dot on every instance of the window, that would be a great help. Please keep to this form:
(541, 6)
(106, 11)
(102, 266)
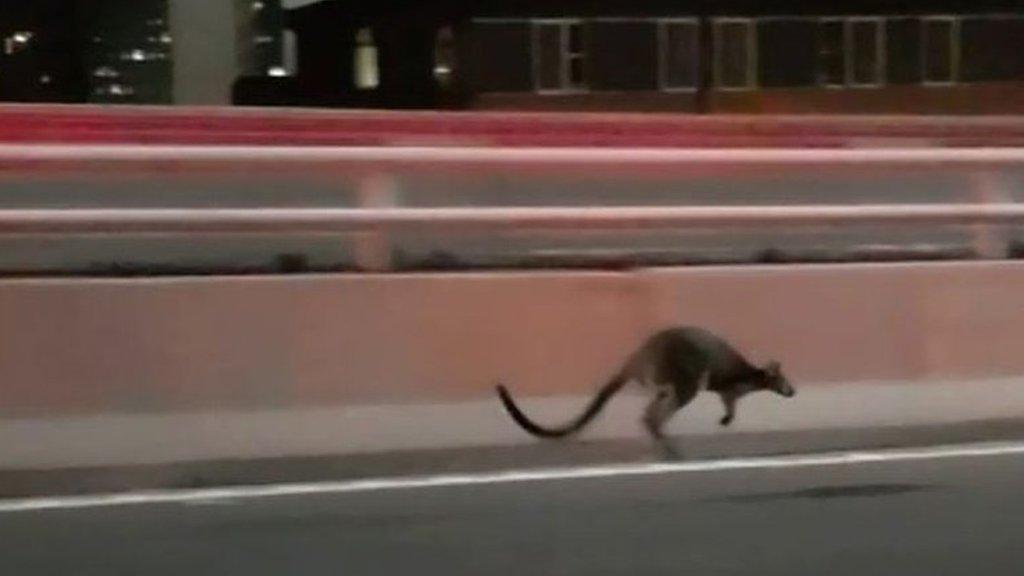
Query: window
(990, 48)
(940, 49)
(365, 66)
(851, 52)
(17, 42)
(575, 54)
(903, 45)
(289, 52)
(735, 49)
(623, 54)
(559, 56)
(787, 52)
(866, 54)
(678, 50)
(831, 53)
(444, 56)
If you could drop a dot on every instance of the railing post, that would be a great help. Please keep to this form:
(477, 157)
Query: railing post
(990, 242)
(373, 249)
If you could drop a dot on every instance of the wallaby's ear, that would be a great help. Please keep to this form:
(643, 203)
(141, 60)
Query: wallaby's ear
(773, 367)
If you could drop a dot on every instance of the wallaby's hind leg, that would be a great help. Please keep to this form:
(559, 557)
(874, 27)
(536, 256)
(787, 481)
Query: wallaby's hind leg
(658, 411)
(667, 402)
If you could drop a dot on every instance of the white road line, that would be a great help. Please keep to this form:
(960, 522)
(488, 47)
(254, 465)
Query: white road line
(220, 495)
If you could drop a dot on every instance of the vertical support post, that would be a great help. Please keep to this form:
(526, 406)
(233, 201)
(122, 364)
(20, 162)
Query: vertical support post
(373, 249)
(990, 242)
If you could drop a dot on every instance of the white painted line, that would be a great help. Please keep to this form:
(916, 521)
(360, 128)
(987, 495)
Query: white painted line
(223, 495)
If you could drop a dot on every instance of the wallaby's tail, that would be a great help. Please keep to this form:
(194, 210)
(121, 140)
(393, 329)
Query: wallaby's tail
(602, 397)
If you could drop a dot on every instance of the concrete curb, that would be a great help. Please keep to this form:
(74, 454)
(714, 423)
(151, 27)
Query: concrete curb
(163, 438)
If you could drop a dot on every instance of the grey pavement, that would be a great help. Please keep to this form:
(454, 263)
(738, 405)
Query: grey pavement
(586, 451)
(929, 517)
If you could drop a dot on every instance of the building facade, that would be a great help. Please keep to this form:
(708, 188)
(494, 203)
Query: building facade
(934, 56)
(136, 51)
(702, 56)
(935, 61)
(41, 52)
(127, 47)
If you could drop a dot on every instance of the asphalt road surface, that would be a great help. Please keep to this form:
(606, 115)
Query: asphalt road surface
(959, 514)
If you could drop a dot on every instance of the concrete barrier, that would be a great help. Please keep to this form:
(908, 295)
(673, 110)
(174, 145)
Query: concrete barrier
(98, 372)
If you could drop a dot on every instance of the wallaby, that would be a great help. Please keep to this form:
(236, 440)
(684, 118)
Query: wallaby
(674, 364)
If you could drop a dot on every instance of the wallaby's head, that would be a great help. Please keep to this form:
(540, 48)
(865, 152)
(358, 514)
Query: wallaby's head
(776, 381)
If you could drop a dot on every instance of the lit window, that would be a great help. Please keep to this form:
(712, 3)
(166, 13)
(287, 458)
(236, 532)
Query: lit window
(735, 45)
(289, 52)
(678, 50)
(366, 71)
(940, 49)
(118, 90)
(559, 55)
(17, 42)
(444, 56)
(105, 72)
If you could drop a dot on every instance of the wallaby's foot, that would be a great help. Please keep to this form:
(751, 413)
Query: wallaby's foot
(654, 429)
(726, 420)
(667, 451)
(658, 412)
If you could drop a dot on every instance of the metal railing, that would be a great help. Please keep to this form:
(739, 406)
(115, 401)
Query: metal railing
(456, 220)
(378, 214)
(673, 161)
(373, 227)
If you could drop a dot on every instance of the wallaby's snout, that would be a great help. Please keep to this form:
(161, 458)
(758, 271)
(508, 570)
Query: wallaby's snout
(778, 382)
